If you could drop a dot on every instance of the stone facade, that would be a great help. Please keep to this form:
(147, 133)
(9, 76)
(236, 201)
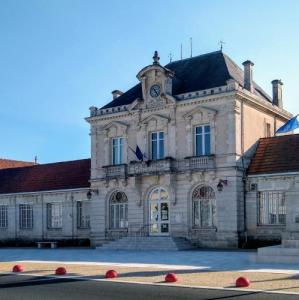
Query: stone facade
(205, 197)
(41, 230)
(237, 119)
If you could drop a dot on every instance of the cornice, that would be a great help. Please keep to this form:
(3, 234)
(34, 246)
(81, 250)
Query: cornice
(262, 105)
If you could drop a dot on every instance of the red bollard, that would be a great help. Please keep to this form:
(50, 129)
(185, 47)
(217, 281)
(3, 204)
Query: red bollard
(242, 282)
(111, 274)
(171, 277)
(18, 268)
(60, 271)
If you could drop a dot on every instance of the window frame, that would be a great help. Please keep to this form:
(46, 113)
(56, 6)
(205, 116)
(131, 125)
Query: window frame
(157, 140)
(117, 159)
(51, 217)
(202, 135)
(197, 201)
(26, 210)
(268, 130)
(3, 216)
(118, 212)
(262, 198)
(83, 219)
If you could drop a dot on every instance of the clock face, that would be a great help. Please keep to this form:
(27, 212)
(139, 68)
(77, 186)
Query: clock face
(155, 90)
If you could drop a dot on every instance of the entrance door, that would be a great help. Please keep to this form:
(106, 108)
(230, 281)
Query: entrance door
(159, 212)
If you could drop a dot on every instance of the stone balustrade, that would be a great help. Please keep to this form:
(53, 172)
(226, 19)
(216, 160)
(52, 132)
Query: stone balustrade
(115, 171)
(161, 166)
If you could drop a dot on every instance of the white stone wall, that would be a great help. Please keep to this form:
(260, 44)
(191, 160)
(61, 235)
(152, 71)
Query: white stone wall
(287, 183)
(237, 119)
(40, 230)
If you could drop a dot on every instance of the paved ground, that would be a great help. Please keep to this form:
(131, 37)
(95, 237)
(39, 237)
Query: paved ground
(194, 268)
(208, 260)
(20, 287)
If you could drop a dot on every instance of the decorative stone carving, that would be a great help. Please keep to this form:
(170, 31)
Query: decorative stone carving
(116, 128)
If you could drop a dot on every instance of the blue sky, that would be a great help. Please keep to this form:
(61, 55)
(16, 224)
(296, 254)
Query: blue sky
(59, 57)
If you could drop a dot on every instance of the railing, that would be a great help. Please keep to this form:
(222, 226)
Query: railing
(154, 166)
(115, 171)
(195, 163)
(114, 234)
(167, 165)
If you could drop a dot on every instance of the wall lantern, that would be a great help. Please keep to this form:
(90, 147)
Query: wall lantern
(221, 184)
(90, 192)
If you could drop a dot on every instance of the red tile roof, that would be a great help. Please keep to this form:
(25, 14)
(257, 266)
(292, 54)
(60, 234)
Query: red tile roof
(46, 177)
(278, 154)
(9, 163)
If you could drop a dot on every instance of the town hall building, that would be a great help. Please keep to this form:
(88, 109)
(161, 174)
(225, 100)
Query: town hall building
(189, 153)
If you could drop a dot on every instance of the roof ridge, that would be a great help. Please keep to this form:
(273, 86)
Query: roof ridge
(8, 159)
(63, 162)
(47, 164)
(193, 57)
(278, 136)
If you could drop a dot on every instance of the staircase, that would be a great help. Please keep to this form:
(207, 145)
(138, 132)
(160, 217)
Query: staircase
(148, 243)
(287, 252)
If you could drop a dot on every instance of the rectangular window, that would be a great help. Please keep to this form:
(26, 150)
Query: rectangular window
(83, 219)
(117, 151)
(157, 145)
(3, 216)
(26, 216)
(267, 130)
(54, 213)
(202, 140)
(272, 208)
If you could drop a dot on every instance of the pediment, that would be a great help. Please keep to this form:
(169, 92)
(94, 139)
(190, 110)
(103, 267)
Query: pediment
(155, 118)
(156, 67)
(115, 128)
(200, 111)
(116, 124)
(135, 104)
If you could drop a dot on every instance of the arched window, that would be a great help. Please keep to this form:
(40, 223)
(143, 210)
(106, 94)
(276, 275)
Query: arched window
(118, 210)
(203, 201)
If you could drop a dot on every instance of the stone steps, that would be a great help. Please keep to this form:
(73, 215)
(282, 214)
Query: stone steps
(290, 243)
(148, 243)
(287, 252)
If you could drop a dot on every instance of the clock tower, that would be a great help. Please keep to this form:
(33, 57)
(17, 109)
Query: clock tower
(156, 82)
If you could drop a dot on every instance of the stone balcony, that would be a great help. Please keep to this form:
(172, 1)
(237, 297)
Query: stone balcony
(161, 166)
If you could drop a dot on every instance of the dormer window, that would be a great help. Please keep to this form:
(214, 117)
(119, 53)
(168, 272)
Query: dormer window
(202, 140)
(117, 151)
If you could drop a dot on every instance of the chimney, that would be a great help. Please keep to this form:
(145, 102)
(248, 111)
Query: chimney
(116, 93)
(277, 92)
(248, 83)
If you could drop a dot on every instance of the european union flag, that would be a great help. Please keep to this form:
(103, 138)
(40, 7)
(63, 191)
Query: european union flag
(140, 156)
(289, 126)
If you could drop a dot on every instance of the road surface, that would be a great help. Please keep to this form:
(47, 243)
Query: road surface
(26, 287)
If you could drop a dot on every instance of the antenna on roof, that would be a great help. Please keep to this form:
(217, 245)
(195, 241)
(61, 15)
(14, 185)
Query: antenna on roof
(181, 51)
(221, 43)
(35, 159)
(170, 57)
(191, 47)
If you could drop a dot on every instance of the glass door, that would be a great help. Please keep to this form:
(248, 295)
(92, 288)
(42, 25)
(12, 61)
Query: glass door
(159, 212)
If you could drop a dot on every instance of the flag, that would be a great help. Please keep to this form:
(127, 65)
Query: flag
(140, 156)
(289, 126)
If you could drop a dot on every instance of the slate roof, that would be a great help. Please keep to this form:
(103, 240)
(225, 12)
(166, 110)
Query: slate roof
(46, 177)
(278, 154)
(9, 163)
(194, 74)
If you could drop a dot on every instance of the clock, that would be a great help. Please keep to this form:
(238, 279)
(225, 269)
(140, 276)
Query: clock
(155, 90)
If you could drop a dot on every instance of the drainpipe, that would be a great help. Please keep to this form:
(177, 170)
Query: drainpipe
(244, 171)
